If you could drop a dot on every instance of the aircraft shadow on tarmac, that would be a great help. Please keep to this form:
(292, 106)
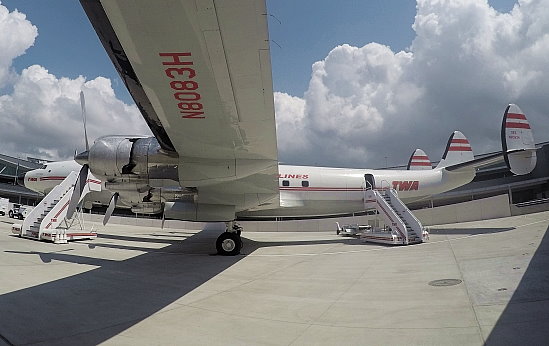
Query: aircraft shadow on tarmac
(92, 307)
(469, 231)
(525, 320)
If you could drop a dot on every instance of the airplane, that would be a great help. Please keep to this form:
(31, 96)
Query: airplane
(200, 74)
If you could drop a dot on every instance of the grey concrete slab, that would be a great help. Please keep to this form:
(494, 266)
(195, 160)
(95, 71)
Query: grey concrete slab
(144, 285)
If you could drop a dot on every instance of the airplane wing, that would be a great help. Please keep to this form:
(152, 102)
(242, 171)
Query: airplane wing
(200, 73)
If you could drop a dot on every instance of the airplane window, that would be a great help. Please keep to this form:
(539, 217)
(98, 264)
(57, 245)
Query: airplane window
(305, 183)
(285, 183)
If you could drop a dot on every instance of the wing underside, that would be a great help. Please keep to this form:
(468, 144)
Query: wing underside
(200, 73)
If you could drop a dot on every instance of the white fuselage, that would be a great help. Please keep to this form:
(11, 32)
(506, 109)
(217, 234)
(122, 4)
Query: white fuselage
(305, 191)
(316, 191)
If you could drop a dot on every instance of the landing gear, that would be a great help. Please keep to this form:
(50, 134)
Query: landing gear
(229, 242)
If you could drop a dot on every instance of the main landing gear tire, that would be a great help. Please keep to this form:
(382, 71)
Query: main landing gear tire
(10, 213)
(228, 244)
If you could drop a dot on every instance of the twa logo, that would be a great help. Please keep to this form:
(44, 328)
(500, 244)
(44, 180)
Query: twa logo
(407, 185)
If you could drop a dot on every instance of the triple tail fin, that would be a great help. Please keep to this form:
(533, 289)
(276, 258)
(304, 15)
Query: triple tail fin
(419, 161)
(517, 141)
(458, 150)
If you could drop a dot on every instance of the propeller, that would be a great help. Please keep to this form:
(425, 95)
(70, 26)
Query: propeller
(77, 191)
(83, 106)
(110, 209)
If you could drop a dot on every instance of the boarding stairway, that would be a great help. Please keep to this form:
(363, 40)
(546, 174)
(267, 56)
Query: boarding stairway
(403, 227)
(48, 220)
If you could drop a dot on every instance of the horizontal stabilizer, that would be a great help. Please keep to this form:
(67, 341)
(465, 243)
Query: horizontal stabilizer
(458, 150)
(419, 161)
(517, 140)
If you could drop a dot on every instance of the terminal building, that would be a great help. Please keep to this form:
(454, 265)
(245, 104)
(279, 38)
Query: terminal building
(10, 169)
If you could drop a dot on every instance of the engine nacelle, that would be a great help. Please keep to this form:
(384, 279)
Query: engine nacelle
(115, 156)
(109, 155)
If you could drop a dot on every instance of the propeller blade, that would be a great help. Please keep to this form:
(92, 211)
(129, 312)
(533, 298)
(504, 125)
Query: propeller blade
(77, 191)
(110, 209)
(83, 106)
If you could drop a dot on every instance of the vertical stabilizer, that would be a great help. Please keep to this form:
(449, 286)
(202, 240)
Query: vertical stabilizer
(517, 140)
(458, 150)
(419, 161)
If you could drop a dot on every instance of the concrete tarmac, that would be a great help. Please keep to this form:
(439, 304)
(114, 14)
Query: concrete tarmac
(147, 286)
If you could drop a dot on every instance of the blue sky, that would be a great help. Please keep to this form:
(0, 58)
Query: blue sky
(307, 31)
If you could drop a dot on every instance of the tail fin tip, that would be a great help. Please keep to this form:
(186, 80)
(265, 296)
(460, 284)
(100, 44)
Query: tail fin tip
(458, 150)
(517, 141)
(419, 161)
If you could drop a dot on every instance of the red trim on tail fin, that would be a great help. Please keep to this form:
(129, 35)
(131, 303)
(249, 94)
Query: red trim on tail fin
(516, 116)
(456, 148)
(510, 125)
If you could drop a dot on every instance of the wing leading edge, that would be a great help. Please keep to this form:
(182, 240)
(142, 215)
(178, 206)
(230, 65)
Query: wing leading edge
(200, 73)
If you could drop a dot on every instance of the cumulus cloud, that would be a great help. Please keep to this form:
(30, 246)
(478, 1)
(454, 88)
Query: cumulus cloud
(18, 34)
(40, 116)
(465, 64)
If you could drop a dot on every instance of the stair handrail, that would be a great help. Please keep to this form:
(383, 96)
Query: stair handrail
(391, 215)
(407, 214)
(386, 182)
(35, 214)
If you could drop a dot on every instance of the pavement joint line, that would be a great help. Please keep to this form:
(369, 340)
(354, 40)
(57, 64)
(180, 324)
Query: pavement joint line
(334, 302)
(310, 324)
(256, 278)
(471, 303)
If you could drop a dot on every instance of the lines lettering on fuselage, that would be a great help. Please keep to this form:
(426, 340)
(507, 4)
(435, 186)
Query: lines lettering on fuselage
(187, 94)
(405, 185)
(293, 176)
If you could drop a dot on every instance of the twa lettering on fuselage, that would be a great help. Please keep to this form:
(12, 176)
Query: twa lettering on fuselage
(406, 185)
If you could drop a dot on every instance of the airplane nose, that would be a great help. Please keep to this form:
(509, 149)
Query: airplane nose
(21, 179)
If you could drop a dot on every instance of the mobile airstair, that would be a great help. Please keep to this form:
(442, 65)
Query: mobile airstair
(48, 220)
(402, 227)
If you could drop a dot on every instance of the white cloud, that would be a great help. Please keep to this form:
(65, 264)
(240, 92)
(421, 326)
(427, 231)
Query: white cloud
(465, 64)
(18, 34)
(40, 116)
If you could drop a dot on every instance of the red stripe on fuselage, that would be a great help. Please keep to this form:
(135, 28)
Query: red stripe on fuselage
(52, 178)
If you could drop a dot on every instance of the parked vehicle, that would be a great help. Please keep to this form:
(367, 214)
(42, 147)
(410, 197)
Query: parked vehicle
(19, 211)
(14, 210)
(4, 206)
